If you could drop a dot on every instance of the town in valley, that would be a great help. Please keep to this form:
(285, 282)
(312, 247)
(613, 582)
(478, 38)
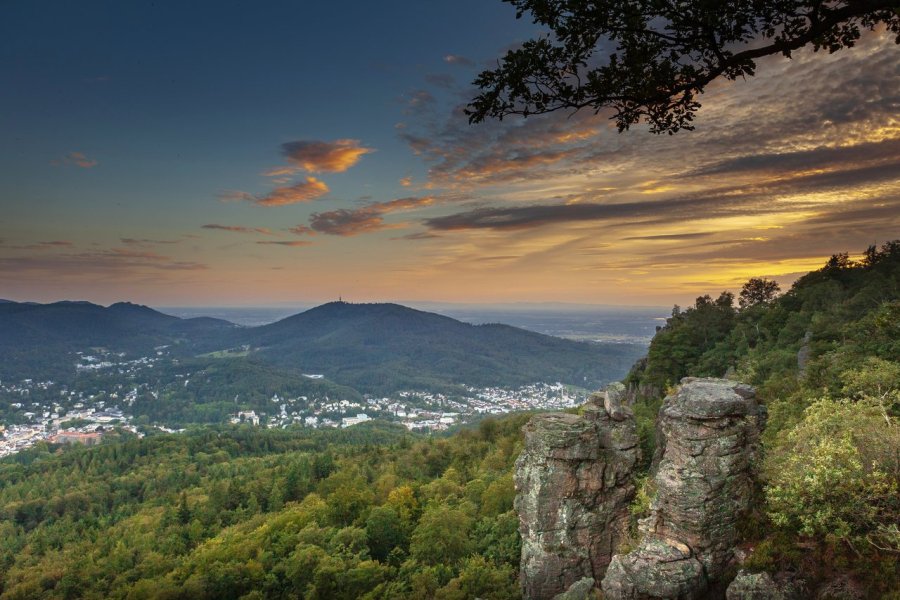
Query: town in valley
(109, 391)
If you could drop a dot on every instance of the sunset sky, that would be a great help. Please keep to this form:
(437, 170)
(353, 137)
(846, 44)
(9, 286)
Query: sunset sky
(243, 153)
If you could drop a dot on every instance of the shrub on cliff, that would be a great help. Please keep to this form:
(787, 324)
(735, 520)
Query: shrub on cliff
(835, 476)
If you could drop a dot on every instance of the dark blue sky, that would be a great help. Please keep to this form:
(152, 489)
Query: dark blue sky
(201, 93)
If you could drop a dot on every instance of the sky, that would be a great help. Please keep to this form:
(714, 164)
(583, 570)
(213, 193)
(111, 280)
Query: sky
(235, 153)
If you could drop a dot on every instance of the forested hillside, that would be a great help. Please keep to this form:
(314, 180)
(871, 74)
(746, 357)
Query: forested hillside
(376, 512)
(825, 358)
(40, 340)
(368, 512)
(385, 347)
(372, 348)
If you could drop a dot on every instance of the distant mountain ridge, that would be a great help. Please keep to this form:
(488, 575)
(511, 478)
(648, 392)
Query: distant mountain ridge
(37, 340)
(371, 347)
(390, 346)
(94, 325)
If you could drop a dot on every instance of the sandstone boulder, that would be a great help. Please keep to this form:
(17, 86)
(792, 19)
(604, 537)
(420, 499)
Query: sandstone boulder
(573, 489)
(710, 430)
(583, 589)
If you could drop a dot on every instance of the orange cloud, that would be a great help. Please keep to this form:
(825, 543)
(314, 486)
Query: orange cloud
(302, 230)
(79, 160)
(309, 189)
(348, 222)
(410, 203)
(322, 157)
(279, 171)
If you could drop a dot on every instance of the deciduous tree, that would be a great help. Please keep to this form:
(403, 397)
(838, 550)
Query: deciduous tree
(651, 59)
(758, 290)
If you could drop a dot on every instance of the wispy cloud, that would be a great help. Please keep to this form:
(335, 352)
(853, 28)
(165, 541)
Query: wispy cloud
(347, 222)
(238, 228)
(236, 196)
(812, 193)
(47, 245)
(53, 244)
(77, 159)
(279, 171)
(147, 242)
(419, 101)
(366, 219)
(114, 262)
(670, 236)
(421, 235)
(829, 157)
(456, 59)
(292, 244)
(305, 191)
(302, 230)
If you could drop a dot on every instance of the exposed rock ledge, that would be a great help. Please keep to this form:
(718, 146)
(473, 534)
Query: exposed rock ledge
(574, 485)
(710, 428)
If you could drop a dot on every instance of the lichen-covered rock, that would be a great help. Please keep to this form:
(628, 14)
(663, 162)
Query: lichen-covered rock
(710, 429)
(583, 589)
(614, 402)
(573, 488)
(758, 586)
(658, 568)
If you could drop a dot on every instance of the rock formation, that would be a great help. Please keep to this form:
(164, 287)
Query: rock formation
(573, 488)
(803, 355)
(710, 430)
(759, 586)
(583, 589)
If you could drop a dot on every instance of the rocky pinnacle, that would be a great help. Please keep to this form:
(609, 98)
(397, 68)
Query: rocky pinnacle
(573, 488)
(710, 428)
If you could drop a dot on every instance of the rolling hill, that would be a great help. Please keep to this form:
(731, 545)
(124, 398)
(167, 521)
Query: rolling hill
(370, 347)
(381, 347)
(38, 340)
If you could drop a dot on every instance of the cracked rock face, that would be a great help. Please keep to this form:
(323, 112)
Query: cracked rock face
(573, 488)
(583, 589)
(711, 429)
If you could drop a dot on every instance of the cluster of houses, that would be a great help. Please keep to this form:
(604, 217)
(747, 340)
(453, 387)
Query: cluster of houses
(46, 411)
(106, 360)
(417, 410)
(40, 407)
(83, 426)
